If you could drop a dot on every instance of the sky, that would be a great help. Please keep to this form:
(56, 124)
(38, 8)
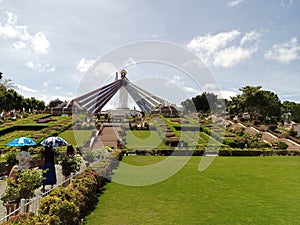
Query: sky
(48, 47)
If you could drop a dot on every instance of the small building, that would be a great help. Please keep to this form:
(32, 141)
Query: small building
(65, 108)
(168, 110)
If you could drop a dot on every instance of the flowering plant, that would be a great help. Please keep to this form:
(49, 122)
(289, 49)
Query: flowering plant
(23, 187)
(70, 164)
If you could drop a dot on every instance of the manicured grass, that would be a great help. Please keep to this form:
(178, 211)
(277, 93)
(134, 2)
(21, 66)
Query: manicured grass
(144, 139)
(78, 139)
(233, 190)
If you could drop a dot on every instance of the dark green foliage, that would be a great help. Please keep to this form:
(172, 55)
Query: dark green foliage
(280, 145)
(10, 99)
(291, 111)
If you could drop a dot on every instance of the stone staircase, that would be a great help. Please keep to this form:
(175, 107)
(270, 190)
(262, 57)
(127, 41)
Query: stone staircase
(107, 137)
(268, 137)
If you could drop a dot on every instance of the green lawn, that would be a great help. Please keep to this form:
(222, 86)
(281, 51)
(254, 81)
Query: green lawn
(233, 190)
(78, 138)
(144, 139)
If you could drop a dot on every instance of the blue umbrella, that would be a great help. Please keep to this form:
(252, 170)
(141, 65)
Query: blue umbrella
(54, 141)
(22, 141)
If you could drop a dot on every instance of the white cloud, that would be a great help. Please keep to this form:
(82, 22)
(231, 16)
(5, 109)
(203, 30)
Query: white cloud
(21, 37)
(206, 46)
(233, 3)
(58, 88)
(47, 83)
(40, 44)
(104, 68)
(225, 49)
(191, 90)
(129, 62)
(286, 52)
(10, 29)
(40, 68)
(225, 94)
(178, 80)
(24, 88)
(252, 37)
(208, 87)
(231, 56)
(215, 89)
(85, 64)
(19, 45)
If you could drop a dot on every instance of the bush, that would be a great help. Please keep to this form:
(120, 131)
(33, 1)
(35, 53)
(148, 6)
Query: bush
(27, 219)
(293, 133)
(234, 143)
(280, 145)
(272, 127)
(67, 205)
(11, 158)
(62, 211)
(225, 153)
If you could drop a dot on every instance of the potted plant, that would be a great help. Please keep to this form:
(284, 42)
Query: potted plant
(11, 160)
(22, 187)
(70, 164)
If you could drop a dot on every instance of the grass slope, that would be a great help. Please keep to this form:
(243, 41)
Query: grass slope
(78, 139)
(233, 190)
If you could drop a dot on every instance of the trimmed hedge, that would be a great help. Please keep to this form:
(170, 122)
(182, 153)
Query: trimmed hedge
(168, 152)
(225, 152)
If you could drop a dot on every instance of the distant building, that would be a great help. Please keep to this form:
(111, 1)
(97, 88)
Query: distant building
(296, 127)
(168, 110)
(65, 108)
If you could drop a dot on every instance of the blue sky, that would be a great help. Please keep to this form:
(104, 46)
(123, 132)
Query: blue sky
(48, 46)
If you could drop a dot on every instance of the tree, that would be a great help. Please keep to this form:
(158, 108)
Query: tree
(291, 111)
(10, 99)
(206, 102)
(188, 105)
(234, 105)
(54, 103)
(260, 104)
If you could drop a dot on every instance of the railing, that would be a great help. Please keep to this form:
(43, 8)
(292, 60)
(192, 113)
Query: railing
(33, 204)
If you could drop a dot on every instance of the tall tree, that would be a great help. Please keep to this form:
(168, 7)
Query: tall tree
(206, 102)
(188, 106)
(291, 111)
(259, 103)
(54, 103)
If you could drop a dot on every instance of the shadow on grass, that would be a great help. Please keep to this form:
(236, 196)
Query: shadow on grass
(100, 192)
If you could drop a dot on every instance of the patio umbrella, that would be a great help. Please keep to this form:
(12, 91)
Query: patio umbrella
(22, 141)
(54, 141)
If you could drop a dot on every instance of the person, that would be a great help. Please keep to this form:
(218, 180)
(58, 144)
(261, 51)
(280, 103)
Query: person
(70, 150)
(49, 154)
(24, 158)
(14, 172)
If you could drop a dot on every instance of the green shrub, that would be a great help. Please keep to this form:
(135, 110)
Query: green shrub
(224, 152)
(64, 212)
(293, 133)
(280, 145)
(234, 143)
(27, 219)
(11, 158)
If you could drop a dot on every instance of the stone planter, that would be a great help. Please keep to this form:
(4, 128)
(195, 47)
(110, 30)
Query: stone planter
(11, 207)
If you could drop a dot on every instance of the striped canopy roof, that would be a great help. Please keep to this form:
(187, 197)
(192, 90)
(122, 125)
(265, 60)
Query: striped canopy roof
(95, 100)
